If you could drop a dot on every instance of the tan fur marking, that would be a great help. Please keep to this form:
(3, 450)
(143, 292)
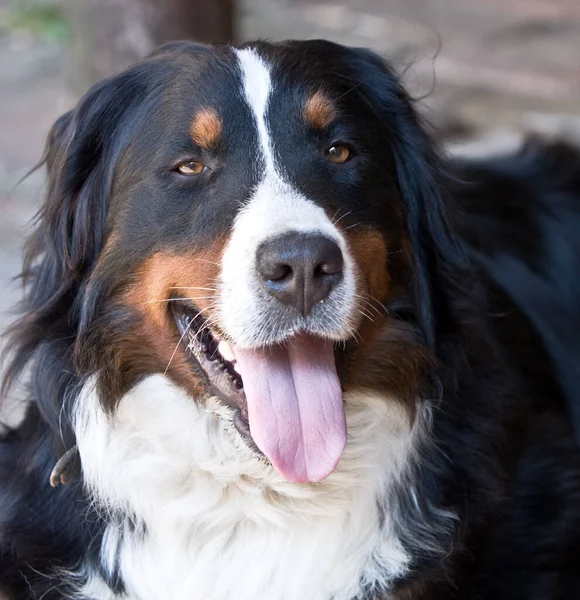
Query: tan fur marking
(391, 357)
(369, 250)
(161, 277)
(165, 275)
(206, 128)
(319, 111)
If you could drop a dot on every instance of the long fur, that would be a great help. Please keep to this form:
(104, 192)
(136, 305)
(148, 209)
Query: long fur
(461, 476)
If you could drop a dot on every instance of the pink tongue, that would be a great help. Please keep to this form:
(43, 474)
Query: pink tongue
(295, 406)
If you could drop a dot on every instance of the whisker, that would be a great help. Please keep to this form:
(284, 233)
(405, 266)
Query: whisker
(178, 299)
(180, 340)
(351, 226)
(369, 304)
(364, 314)
(177, 346)
(211, 262)
(208, 321)
(340, 218)
(207, 289)
(379, 303)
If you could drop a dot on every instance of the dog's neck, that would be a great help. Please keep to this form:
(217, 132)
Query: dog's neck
(213, 521)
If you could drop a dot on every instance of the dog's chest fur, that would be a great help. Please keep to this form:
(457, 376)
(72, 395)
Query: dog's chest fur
(193, 514)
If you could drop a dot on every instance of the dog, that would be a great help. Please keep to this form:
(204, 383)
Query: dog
(278, 346)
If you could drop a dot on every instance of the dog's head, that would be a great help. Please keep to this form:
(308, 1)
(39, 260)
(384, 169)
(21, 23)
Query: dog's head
(264, 225)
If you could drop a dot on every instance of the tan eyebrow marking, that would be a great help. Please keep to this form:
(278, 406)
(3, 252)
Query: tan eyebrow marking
(319, 111)
(206, 127)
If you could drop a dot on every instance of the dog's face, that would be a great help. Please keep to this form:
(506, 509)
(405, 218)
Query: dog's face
(239, 219)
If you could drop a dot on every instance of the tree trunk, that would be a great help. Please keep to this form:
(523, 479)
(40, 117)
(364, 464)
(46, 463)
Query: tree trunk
(108, 35)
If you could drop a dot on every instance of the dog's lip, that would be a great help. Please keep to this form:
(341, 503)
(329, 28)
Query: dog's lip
(219, 375)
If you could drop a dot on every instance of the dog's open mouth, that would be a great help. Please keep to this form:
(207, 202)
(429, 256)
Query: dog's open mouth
(286, 398)
(220, 374)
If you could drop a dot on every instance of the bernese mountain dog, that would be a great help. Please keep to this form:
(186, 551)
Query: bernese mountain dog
(277, 346)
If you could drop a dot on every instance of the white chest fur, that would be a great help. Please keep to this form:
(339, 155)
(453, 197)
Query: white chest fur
(219, 524)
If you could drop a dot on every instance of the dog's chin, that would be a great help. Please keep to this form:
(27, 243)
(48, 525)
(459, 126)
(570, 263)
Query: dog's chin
(213, 361)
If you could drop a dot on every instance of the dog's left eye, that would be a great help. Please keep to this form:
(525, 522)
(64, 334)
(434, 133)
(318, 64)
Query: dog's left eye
(191, 167)
(338, 153)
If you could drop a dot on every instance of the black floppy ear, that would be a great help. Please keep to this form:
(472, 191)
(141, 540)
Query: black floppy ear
(81, 153)
(82, 150)
(441, 265)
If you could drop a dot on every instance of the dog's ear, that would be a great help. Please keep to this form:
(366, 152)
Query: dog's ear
(80, 156)
(80, 161)
(440, 262)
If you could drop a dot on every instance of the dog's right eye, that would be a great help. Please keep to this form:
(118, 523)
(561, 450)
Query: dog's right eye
(191, 167)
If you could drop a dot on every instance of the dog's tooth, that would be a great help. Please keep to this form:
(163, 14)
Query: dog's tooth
(226, 351)
(237, 368)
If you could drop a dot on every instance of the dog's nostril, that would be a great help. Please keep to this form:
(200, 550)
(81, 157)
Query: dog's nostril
(279, 272)
(300, 269)
(331, 267)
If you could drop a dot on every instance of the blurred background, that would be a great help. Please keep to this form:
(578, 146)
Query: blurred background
(484, 71)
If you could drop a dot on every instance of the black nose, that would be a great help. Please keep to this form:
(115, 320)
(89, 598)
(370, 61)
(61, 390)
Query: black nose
(300, 269)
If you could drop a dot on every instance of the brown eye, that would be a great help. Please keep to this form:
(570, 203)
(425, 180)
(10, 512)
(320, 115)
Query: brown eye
(191, 167)
(338, 154)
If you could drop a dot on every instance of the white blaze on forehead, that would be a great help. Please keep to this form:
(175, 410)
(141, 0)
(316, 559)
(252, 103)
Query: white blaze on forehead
(257, 84)
(274, 208)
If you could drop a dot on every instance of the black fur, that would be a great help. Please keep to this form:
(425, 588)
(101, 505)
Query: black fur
(490, 290)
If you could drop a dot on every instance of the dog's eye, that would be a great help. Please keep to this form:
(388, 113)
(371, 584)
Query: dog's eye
(191, 167)
(338, 154)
